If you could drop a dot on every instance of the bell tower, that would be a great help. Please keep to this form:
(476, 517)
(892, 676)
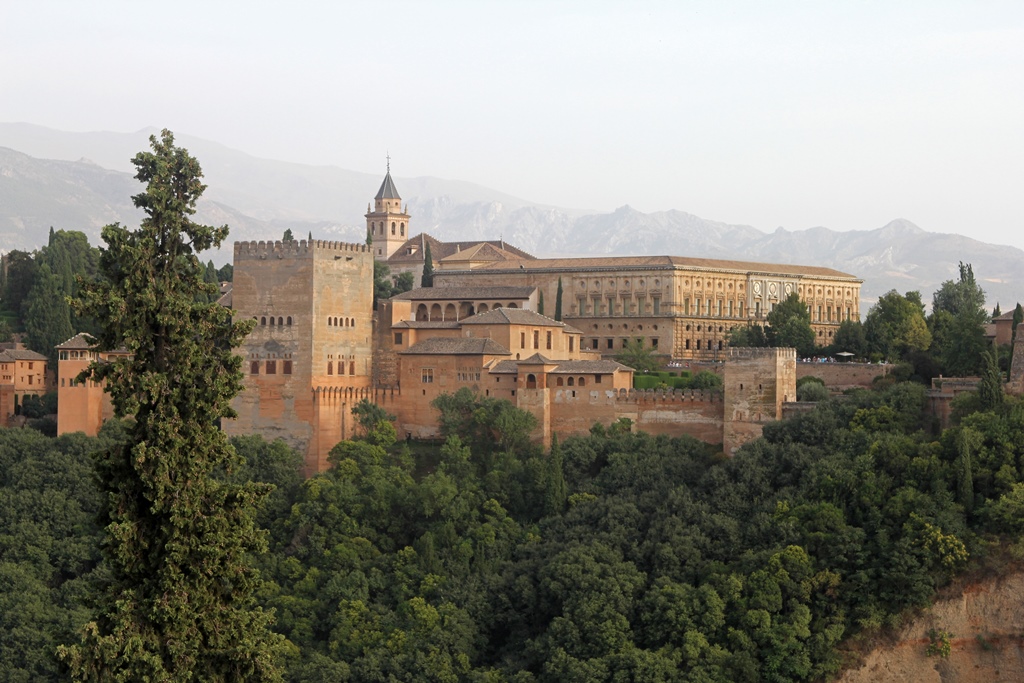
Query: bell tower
(387, 223)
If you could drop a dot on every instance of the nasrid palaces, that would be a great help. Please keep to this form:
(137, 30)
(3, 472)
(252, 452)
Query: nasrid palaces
(489, 323)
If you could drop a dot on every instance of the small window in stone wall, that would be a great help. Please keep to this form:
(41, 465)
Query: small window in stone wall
(254, 367)
(352, 367)
(271, 367)
(398, 338)
(286, 368)
(330, 367)
(597, 379)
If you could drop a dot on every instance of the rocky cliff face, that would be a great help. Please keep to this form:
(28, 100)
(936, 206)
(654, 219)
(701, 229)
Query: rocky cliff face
(986, 621)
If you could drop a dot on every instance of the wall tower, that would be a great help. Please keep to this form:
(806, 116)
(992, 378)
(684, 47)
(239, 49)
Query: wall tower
(313, 307)
(388, 223)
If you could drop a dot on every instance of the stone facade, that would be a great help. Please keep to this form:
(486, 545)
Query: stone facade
(83, 406)
(312, 344)
(22, 373)
(682, 307)
(757, 384)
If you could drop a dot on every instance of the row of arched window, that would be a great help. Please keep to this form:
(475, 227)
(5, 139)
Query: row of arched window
(270, 367)
(341, 367)
(383, 227)
(279, 321)
(341, 322)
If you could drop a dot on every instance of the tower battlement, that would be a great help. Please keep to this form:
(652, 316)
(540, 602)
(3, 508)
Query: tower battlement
(296, 248)
(752, 353)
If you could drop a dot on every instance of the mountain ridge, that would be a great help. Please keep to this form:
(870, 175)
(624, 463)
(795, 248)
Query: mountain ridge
(85, 188)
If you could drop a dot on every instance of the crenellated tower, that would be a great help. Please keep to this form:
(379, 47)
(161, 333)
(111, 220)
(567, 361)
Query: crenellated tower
(387, 222)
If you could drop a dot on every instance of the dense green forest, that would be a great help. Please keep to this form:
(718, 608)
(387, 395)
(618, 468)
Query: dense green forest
(35, 288)
(613, 557)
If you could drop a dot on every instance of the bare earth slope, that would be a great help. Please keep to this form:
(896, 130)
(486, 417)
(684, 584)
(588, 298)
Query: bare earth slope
(987, 623)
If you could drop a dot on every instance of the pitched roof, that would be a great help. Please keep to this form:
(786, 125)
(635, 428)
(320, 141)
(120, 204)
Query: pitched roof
(660, 262)
(427, 325)
(79, 341)
(8, 355)
(565, 367)
(591, 366)
(387, 189)
(514, 316)
(461, 346)
(441, 250)
(470, 292)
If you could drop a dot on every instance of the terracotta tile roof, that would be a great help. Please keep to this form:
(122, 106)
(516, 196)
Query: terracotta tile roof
(441, 250)
(590, 366)
(514, 316)
(462, 346)
(463, 293)
(427, 325)
(564, 367)
(8, 355)
(1005, 316)
(506, 367)
(661, 262)
(79, 341)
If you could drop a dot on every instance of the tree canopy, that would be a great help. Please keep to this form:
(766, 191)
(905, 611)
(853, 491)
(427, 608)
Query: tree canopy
(179, 603)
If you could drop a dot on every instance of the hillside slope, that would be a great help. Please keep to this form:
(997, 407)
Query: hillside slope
(987, 623)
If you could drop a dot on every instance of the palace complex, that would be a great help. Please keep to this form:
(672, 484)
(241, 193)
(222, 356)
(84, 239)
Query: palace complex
(489, 323)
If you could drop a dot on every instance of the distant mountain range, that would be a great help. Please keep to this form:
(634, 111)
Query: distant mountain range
(83, 181)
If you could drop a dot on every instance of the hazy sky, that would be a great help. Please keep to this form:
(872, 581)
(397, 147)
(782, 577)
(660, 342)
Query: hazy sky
(842, 114)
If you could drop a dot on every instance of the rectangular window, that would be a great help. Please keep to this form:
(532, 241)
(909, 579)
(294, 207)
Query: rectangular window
(286, 367)
(271, 367)
(536, 339)
(593, 344)
(352, 367)
(698, 344)
(427, 375)
(398, 338)
(730, 308)
(686, 306)
(254, 367)
(611, 305)
(708, 309)
(719, 308)
(641, 306)
(657, 305)
(522, 340)
(582, 301)
(549, 339)
(687, 344)
(571, 343)
(597, 379)
(654, 342)
(696, 306)
(610, 343)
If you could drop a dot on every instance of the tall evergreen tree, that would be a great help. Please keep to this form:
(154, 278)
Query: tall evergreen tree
(558, 301)
(428, 268)
(47, 313)
(178, 604)
(556, 490)
(990, 388)
(288, 236)
(540, 302)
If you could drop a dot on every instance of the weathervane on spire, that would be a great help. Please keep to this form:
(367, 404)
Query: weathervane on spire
(389, 161)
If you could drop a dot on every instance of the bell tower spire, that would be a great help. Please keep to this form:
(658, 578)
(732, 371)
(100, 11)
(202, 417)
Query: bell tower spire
(388, 223)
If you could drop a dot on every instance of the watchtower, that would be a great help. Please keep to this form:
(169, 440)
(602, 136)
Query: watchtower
(387, 223)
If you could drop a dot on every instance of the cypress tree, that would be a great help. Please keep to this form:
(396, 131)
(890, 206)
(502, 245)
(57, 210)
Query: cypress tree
(540, 302)
(287, 237)
(428, 268)
(558, 301)
(178, 602)
(47, 313)
(556, 491)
